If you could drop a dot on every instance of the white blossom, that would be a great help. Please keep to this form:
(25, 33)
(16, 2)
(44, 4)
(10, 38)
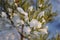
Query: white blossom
(35, 32)
(15, 3)
(10, 2)
(9, 9)
(16, 19)
(45, 30)
(27, 30)
(39, 25)
(40, 5)
(33, 23)
(3, 14)
(30, 8)
(26, 18)
(25, 13)
(21, 21)
(41, 14)
(43, 20)
(22, 11)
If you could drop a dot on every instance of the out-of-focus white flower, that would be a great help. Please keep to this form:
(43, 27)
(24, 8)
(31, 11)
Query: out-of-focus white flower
(15, 14)
(41, 14)
(21, 21)
(16, 4)
(35, 32)
(39, 25)
(44, 30)
(27, 30)
(17, 22)
(30, 8)
(9, 9)
(26, 18)
(40, 5)
(3, 14)
(10, 2)
(25, 13)
(20, 9)
(43, 20)
(16, 19)
(33, 23)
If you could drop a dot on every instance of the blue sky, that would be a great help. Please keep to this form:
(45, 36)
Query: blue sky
(55, 25)
(56, 5)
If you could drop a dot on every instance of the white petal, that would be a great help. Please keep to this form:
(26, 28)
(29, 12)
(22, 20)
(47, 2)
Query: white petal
(21, 21)
(27, 30)
(44, 30)
(16, 4)
(4, 14)
(41, 14)
(33, 23)
(16, 19)
(26, 18)
(9, 9)
(10, 2)
(25, 13)
(20, 9)
(43, 20)
(39, 25)
(30, 8)
(35, 32)
(40, 5)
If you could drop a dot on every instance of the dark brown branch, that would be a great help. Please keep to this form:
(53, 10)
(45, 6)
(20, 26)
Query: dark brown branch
(22, 31)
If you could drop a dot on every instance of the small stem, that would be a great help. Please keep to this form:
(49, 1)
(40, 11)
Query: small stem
(22, 31)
